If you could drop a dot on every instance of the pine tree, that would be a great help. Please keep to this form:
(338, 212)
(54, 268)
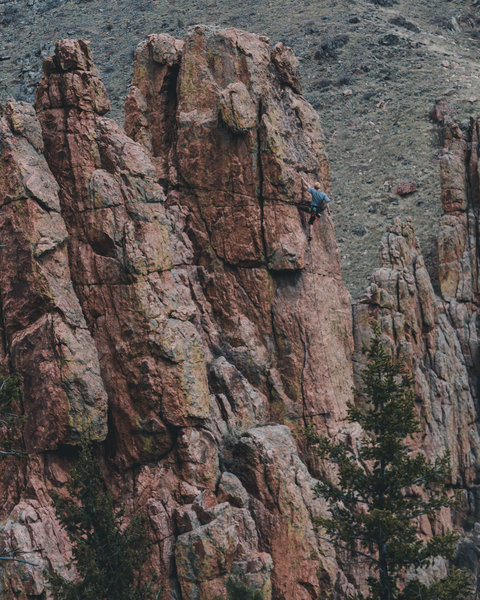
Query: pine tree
(108, 559)
(11, 419)
(11, 441)
(381, 489)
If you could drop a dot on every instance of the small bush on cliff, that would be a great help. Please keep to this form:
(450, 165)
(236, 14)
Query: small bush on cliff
(238, 590)
(108, 559)
(381, 489)
(11, 438)
(11, 419)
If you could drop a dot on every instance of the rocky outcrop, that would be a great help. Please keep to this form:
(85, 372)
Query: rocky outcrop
(45, 336)
(158, 292)
(429, 335)
(274, 298)
(283, 507)
(159, 295)
(431, 320)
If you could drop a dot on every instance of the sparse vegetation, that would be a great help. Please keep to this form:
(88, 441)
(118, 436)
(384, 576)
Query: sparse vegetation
(239, 590)
(107, 556)
(11, 417)
(11, 437)
(379, 134)
(383, 490)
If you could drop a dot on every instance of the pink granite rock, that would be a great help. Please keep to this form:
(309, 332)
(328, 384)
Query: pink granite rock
(164, 278)
(200, 310)
(45, 333)
(436, 337)
(404, 188)
(429, 318)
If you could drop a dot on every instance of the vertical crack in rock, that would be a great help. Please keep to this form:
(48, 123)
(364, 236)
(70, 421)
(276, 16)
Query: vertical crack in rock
(471, 206)
(437, 335)
(260, 178)
(305, 412)
(4, 349)
(223, 74)
(474, 195)
(151, 105)
(120, 246)
(175, 288)
(44, 328)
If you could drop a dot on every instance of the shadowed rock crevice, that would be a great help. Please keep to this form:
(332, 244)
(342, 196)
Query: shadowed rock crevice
(197, 340)
(261, 181)
(113, 247)
(151, 105)
(473, 188)
(4, 349)
(193, 325)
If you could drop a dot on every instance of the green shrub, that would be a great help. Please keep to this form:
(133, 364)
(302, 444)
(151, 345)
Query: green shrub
(382, 489)
(107, 557)
(238, 590)
(11, 419)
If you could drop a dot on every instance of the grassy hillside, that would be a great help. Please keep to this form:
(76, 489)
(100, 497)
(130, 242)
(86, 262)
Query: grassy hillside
(373, 70)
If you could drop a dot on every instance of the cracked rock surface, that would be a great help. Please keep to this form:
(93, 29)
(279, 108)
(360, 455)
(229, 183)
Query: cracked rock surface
(158, 283)
(158, 291)
(431, 320)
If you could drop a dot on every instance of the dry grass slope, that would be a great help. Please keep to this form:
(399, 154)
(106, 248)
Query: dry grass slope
(373, 70)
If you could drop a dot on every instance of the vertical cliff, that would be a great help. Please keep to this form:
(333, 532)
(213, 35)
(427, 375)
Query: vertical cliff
(158, 291)
(231, 138)
(432, 320)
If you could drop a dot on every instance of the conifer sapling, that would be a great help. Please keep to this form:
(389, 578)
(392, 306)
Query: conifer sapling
(107, 557)
(381, 489)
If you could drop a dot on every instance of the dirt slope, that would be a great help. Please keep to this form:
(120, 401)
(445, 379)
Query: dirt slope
(373, 73)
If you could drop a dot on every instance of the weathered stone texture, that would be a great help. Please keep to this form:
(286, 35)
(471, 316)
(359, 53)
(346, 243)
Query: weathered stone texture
(45, 333)
(35, 530)
(283, 506)
(436, 331)
(163, 277)
(429, 336)
(167, 274)
(240, 139)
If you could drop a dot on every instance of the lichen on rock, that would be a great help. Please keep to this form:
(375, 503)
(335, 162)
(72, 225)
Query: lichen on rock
(167, 282)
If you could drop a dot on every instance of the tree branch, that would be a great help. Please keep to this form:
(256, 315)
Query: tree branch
(337, 545)
(19, 560)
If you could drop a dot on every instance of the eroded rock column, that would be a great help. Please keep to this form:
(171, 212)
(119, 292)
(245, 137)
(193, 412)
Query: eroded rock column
(207, 325)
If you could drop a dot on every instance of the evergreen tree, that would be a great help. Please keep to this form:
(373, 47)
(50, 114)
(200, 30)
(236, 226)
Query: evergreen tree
(108, 559)
(381, 489)
(11, 440)
(11, 419)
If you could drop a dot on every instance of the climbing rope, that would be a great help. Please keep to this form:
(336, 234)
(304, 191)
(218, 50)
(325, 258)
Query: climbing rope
(322, 344)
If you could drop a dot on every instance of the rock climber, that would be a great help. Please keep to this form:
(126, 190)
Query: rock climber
(320, 203)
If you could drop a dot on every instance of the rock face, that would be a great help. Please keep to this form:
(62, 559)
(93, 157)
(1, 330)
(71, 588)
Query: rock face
(432, 322)
(44, 329)
(159, 294)
(261, 280)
